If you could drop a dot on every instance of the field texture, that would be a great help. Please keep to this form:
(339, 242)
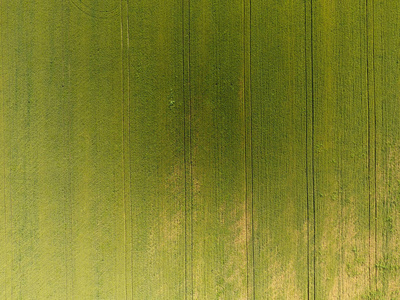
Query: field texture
(199, 149)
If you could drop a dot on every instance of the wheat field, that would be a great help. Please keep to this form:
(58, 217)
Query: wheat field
(200, 149)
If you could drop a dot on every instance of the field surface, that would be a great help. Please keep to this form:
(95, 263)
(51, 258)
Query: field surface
(199, 149)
